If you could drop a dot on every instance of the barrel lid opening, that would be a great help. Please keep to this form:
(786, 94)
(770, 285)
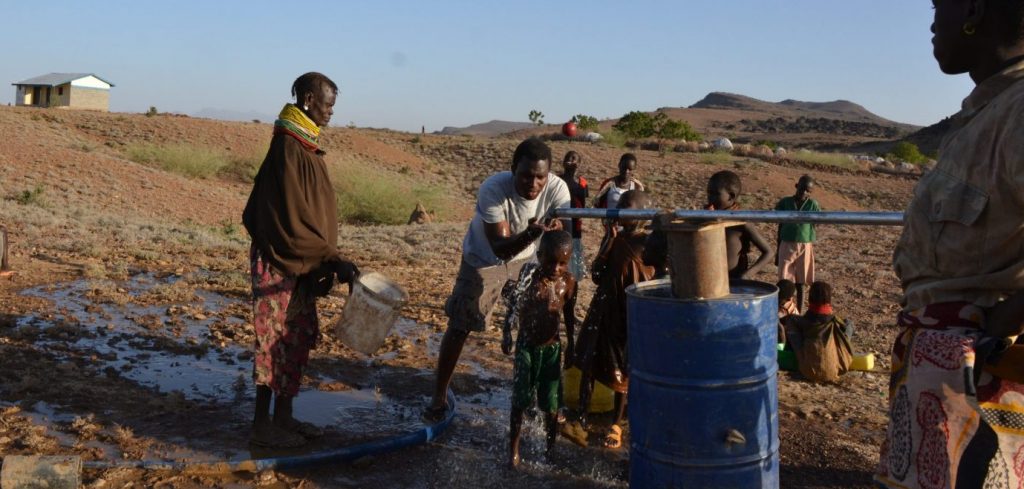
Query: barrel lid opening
(739, 290)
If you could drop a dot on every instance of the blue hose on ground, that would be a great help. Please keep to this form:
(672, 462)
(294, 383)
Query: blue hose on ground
(343, 454)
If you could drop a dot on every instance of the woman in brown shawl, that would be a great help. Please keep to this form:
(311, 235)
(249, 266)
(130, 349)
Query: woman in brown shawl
(601, 353)
(292, 219)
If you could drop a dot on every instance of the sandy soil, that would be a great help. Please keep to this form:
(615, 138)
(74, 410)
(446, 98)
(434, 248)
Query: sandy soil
(125, 333)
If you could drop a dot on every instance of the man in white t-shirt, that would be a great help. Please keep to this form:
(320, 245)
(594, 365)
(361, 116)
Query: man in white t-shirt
(511, 214)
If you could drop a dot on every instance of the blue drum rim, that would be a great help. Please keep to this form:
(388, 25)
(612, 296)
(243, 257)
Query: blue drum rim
(766, 290)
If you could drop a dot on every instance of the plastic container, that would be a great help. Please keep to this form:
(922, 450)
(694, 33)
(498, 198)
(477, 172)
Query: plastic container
(370, 312)
(602, 399)
(861, 361)
(703, 399)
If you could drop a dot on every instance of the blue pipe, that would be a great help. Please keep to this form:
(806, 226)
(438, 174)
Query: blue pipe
(343, 454)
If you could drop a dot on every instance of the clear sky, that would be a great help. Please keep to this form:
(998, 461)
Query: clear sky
(403, 64)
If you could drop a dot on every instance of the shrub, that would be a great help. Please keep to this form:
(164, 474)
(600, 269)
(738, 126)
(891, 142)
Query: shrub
(716, 158)
(636, 125)
(585, 122)
(537, 117)
(674, 130)
(30, 197)
(614, 138)
(183, 159)
(828, 159)
(151, 112)
(366, 195)
(243, 167)
(908, 152)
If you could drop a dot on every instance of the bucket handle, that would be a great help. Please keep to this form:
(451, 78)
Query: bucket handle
(352, 284)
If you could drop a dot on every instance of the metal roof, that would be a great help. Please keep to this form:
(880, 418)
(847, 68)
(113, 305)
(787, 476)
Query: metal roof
(54, 79)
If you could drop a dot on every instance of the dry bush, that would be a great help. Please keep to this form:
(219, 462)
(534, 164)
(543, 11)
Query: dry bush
(369, 195)
(183, 159)
(763, 151)
(743, 150)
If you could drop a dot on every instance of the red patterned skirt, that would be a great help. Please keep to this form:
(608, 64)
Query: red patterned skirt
(945, 431)
(286, 326)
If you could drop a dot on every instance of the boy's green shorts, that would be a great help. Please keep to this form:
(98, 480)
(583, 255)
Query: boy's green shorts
(538, 369)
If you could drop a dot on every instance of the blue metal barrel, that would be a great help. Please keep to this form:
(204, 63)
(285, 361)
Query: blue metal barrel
(703, 401)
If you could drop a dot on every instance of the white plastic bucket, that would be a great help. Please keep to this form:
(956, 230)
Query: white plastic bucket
(370, 312)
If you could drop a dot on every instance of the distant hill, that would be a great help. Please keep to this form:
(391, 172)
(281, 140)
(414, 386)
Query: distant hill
(835, 125)
(491, 128)
(838, 109)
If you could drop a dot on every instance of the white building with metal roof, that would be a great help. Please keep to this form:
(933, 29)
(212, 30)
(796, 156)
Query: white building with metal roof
(70, 90)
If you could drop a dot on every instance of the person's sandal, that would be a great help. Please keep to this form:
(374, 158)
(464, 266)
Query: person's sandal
(614, 437)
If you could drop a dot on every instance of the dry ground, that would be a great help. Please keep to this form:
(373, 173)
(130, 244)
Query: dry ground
(127, 273)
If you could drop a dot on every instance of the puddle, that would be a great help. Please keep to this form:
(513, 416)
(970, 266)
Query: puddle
(167, 347)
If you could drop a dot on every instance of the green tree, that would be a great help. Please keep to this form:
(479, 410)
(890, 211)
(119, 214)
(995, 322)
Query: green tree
(585, 122)
(908, 152)
(675, 130)
(537, 117)
(636, 125)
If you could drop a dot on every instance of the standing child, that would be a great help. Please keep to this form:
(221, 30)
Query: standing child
(724, 190)
(601, 352)
(611, 190)
(545, 292)
(578, 194)
(796, 241)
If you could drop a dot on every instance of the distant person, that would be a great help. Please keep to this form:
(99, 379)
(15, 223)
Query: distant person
(292, 218)
(724, 190)
(820, 338)
(511, 215)
(578, 194)
(956, 396)
(796, 240)
(787, 305)
(547, 295)
(601, 349)
(5, 245)
(611, 189)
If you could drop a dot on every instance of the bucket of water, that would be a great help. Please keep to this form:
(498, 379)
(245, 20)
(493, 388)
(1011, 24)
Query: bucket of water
(370, 312)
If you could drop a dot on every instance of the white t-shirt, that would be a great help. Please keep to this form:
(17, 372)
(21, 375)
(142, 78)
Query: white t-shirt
(615, 194)
(498, 201)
